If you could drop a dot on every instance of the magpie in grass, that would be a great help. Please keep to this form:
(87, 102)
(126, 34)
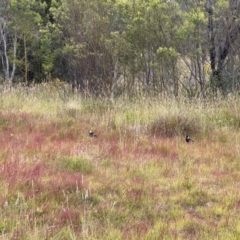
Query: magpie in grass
(188, 139)
(92, 134)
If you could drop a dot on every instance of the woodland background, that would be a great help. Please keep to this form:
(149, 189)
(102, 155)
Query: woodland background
(116, 47)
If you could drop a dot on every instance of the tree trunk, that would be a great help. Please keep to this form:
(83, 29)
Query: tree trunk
(115, 78)
(219, 52)
(8, 74)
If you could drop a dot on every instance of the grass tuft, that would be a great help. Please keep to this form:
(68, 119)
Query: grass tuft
(175, 125)
(76, 164)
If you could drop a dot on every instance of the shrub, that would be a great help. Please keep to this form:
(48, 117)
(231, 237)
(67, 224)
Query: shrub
(174, 125)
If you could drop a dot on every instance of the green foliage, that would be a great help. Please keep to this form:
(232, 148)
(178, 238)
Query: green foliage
(113, 234)
(76, 164)
(156, 232)
(115, 47)
(197, 198)
(167, 52)
(25, 23)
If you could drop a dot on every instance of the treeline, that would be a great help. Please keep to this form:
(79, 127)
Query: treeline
(114, 47)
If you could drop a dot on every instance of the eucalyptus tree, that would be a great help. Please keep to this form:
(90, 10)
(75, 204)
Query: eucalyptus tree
(84, 27)
(8, 44)
(224, 31)
(144, 45)
(197, 43)
(208, 46)
(192, 44)
(115, 46)
(25, 22)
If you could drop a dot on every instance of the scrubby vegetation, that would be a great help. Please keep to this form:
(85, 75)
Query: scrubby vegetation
(117, 47)
(138, 179)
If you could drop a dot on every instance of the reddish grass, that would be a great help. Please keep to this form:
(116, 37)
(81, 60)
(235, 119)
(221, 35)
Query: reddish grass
(135, 183)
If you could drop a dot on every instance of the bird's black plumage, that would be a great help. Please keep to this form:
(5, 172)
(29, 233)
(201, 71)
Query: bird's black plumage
(92, 134)
(188, 139)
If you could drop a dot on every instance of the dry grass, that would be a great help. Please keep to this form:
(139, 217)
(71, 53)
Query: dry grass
(138, 180)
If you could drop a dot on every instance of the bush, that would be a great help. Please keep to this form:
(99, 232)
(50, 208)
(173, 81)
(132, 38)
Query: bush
(174, 125)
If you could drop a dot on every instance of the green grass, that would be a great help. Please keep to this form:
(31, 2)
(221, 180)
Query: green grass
(76, 164)
(138, 179)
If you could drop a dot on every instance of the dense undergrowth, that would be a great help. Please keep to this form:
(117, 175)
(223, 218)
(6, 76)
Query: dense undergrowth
(138, 179)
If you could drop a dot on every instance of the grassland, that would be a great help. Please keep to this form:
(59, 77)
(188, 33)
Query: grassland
(138, 179)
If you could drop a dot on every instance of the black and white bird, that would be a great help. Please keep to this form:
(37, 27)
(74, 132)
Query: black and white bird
(188, 139)
(92, 134)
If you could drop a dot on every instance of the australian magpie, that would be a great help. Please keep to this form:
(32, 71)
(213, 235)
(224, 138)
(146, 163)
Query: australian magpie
(188, 139)
(92, 134)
